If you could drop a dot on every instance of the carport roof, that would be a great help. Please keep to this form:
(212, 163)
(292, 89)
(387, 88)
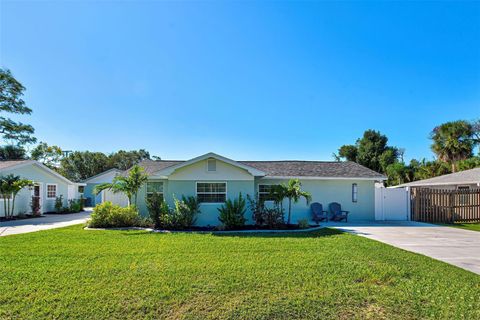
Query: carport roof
(471, 176)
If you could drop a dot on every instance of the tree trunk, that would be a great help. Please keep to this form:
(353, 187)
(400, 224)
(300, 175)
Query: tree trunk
(289, 209)
(8, 207)
(13, 203)
(454, 167)
(5, 206)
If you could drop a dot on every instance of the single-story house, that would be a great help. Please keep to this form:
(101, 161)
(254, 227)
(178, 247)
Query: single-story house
(213, 178)
(463, 180)
(48, 185)
(104, 177)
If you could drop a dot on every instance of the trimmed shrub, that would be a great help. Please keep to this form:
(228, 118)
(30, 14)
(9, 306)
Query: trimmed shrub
(59, 204)
(182, 216)
(157, 209)
(108, 215)
(232, 213)
(270, 217)
(75, 205)
(303, 224)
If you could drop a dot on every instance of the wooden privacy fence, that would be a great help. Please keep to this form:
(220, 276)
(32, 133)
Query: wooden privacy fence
(445, 206)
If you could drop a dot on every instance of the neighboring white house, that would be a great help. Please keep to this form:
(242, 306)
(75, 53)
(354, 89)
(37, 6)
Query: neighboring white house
(106, 195)
(48, 185)
(463, 180)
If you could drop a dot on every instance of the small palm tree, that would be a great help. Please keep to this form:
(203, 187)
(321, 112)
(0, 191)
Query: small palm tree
(293, 192)
(129, 185)
(10, 186)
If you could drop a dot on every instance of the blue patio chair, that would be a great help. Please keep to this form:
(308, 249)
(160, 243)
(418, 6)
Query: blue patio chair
(318, 214)
(337, 214)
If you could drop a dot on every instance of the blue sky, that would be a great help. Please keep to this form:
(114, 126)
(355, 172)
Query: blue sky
(248, 80)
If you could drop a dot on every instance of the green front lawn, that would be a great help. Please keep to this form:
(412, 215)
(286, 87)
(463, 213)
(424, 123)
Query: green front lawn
(73, 273)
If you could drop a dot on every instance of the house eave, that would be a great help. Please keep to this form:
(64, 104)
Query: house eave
(324, 178)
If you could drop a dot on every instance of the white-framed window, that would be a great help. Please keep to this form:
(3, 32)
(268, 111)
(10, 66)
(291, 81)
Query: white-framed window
(211, 192)
(51, 191)
(354, 192)
(81, 189)
(211, 165)
(154, 187)
(265, 192)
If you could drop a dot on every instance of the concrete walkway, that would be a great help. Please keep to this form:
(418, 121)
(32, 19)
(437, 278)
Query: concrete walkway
(452, 245)
(50, 221)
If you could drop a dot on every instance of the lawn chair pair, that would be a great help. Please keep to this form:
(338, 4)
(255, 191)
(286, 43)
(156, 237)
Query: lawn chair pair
(335, 212)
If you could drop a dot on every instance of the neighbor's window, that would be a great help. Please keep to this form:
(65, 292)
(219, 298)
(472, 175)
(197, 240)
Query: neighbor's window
(51, 191)
(81, 189)
(211, 165)
(465, 196)
(354, 192)
(154, 187)
(211, 192)
(265, 192)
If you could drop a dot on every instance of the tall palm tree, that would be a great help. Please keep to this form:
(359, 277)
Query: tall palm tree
(129, 185)
(453, 141)
(293, 192)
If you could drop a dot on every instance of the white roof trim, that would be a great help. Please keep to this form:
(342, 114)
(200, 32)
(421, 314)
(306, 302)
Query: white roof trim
(321, 178)
(41, 166)
(101, 174)
(426, 184)
(168, 171)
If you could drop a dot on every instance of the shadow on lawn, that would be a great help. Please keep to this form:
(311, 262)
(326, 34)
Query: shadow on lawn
(309, 234)
(326, 232)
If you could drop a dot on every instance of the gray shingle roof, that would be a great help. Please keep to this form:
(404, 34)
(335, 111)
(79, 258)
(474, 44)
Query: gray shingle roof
(11, 163)
(289, 168)
(471, 176)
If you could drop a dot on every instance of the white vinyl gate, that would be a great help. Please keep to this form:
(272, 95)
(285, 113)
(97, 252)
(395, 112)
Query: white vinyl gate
(392, 204)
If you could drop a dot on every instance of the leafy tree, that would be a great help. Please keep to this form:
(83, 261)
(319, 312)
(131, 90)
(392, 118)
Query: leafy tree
(398, 173)
(10, 186)
(80, 165)
(48, 155)
(453, 141)
(470, 163)
(371, 150)
(349, 152)
(129, 185)
(293, 192)
(11, 92)
(428, 169)
(124, 160)
(12, 152)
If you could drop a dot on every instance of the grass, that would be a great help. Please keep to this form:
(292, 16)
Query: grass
(77, 274)
(466, 226)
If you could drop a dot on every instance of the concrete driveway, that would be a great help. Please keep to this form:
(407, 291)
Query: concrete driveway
(451, 245)
(46, 222)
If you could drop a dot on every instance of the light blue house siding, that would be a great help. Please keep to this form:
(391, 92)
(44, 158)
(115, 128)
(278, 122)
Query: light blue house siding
(209, 211)
(90, 196)
(322, 191)
(327, 191)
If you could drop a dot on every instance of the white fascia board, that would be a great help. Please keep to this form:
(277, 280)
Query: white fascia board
(437, 184)
(321, 178)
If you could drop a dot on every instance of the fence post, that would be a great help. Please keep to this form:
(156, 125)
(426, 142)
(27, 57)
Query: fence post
(452, 206)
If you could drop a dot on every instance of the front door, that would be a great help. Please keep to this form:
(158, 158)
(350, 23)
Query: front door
(37, 199)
